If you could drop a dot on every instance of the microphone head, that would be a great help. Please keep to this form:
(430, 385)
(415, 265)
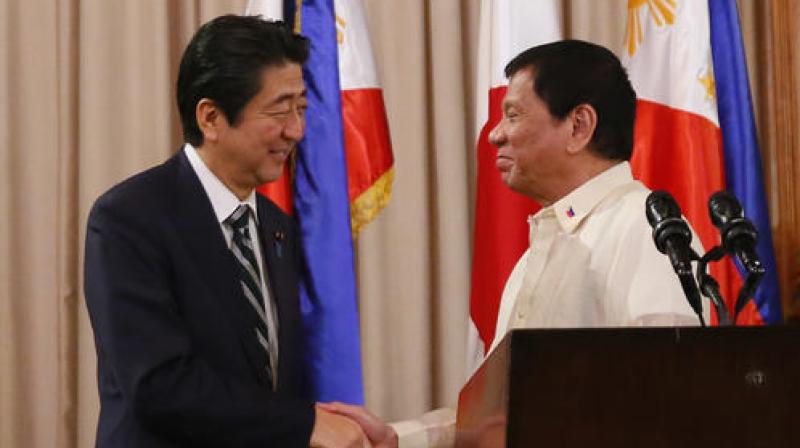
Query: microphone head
(664, 216)
(736, 231)
(659, 206)
(723, 207)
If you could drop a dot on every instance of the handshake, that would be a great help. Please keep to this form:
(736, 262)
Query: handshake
(342, 425)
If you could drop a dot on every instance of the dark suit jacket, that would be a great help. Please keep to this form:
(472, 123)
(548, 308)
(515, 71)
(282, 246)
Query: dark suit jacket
(178, 361)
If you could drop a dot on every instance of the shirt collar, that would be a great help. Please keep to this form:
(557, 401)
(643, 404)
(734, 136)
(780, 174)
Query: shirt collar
(573, 208)
(223, 201)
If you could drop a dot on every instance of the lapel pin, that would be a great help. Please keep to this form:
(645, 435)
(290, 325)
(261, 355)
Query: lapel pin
(278, 235)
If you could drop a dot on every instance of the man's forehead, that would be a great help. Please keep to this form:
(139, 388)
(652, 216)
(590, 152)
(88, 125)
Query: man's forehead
(523, 77)
(281, 80)
(283, 70)
(520, 85)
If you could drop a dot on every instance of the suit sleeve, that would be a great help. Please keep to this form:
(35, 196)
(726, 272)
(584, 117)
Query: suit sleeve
(145, 347)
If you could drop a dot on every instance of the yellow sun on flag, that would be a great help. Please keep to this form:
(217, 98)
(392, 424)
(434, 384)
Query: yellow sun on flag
(662, 12)
(340, 25)
(707, 80)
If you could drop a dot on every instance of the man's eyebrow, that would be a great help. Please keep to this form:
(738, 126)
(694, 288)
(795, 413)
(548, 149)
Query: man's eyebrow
(287, 96)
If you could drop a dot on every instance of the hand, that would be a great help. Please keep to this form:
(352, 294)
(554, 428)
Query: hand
(380, 434)
(336, 431)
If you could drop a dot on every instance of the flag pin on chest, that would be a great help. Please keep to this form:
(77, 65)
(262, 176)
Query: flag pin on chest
(278, 235)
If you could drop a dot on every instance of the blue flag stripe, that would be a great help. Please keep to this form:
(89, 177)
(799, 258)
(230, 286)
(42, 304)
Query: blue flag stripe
(328, 290)
(743, 171)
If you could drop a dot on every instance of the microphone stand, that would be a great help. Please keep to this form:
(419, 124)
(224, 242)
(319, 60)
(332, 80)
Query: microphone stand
(689, 286)
(754, 276)
(692, 295)
(709, 287)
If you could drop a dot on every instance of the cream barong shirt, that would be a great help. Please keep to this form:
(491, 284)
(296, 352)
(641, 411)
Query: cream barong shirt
(592, 263)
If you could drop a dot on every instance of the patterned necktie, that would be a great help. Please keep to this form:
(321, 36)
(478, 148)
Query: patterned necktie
(250, 276)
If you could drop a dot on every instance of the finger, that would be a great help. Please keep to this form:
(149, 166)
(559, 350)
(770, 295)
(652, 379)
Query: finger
(347, 410)
(334, 405)
(326, 406)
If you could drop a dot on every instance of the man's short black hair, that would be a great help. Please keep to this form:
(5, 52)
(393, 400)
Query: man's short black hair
(568, 73)
(224, 61)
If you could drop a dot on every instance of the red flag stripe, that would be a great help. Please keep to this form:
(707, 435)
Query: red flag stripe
(367, 140)
(368, 153)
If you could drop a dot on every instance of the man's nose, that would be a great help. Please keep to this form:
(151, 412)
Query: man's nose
(295, 126)
(497, 135)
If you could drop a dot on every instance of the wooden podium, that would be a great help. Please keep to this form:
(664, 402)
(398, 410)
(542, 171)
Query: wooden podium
(636, 387)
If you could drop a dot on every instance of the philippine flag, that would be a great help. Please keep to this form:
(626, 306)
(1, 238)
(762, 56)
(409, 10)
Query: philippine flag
(695, 132)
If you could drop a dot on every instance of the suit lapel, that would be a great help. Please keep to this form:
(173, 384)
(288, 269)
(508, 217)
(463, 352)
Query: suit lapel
(197, 225)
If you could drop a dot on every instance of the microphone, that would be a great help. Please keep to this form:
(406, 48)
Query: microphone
(673, 237)
(670, 232)
(738, 234)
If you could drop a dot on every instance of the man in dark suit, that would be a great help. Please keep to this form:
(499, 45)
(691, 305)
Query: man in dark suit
(191, 277)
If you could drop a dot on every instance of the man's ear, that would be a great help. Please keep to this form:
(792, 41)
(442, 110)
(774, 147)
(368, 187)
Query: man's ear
(209, 119)
(584, 123)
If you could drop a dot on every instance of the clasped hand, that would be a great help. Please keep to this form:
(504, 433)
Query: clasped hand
(340, 425)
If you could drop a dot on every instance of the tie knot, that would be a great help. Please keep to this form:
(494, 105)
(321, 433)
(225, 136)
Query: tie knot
(238, 219)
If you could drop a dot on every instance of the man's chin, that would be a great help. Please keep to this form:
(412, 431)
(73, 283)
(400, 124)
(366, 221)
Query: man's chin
(515, 186)
(508, 180)
(270, 176)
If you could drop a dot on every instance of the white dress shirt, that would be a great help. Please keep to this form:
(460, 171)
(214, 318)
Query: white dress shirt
(224, 203)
